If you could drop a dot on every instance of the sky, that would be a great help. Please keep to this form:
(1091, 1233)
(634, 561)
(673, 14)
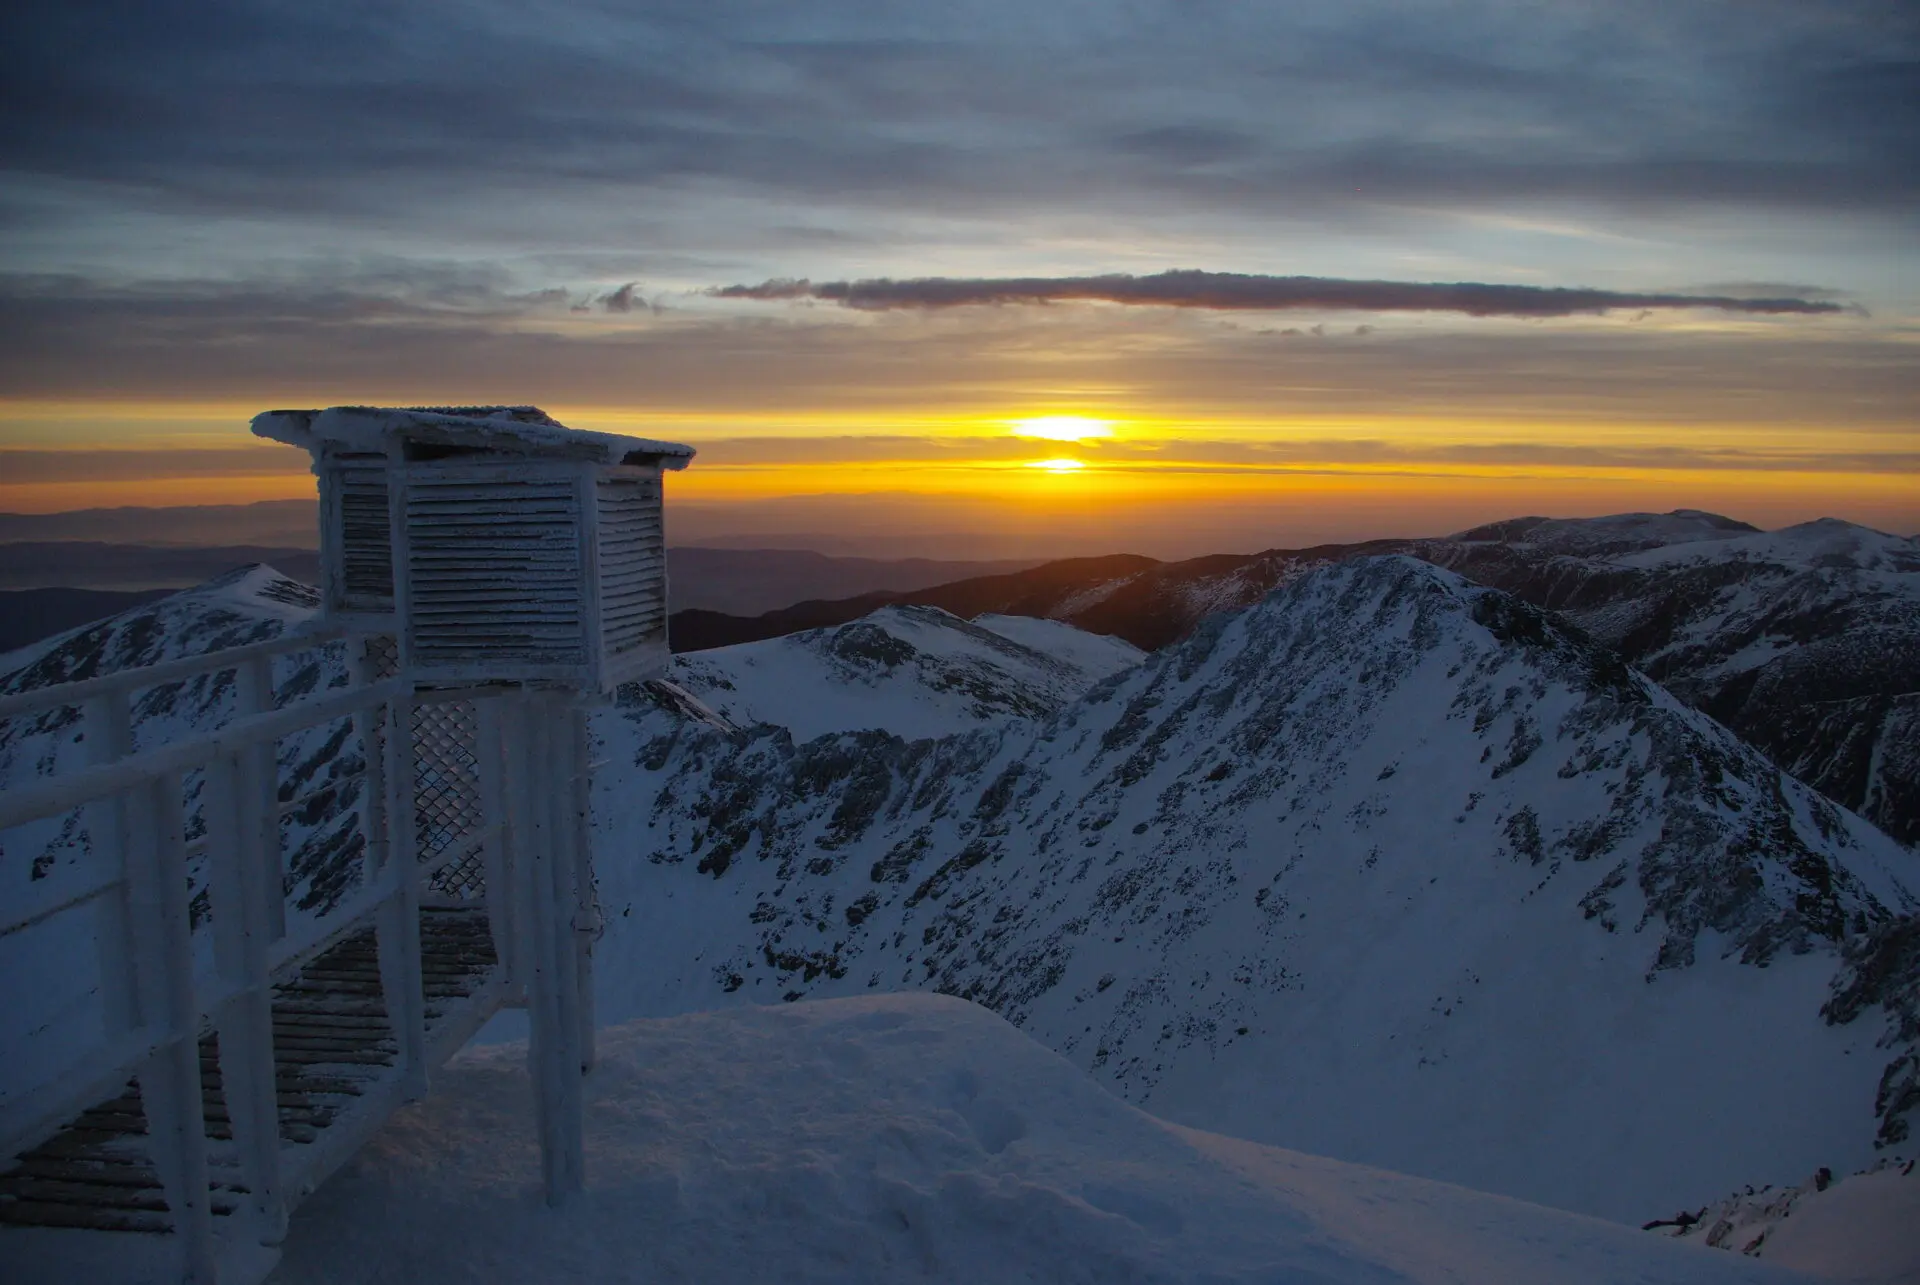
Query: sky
(1168, 276)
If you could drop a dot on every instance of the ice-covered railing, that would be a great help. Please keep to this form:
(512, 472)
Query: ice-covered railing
(187, 835)
(489, 573)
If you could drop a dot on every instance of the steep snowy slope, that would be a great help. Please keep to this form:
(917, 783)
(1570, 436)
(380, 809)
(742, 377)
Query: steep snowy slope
(914, 671)
(1390, 867)
(1805, 641)
(903, 1139)
(240, 607)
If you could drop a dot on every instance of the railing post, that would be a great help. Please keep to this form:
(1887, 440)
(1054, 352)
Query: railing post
(371, 727)
(545, 895)
(259, 796)
(496, 851)
(109, 733)
(579, 850)
(163, 969)
(240, 935)
(387, 830)
(397, 922)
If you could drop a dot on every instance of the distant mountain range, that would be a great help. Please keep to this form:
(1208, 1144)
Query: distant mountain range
(115, 577)
(88, 564)
(289, 523)
(755, 580)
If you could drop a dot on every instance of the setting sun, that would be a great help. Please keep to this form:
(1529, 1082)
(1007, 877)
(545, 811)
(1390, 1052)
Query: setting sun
(1062, 428)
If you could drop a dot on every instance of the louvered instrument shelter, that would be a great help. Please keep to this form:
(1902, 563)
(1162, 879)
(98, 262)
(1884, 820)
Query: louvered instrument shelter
(501, 545)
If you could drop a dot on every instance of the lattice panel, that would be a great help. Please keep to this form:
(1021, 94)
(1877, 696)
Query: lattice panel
(383, 657)
(447, 805)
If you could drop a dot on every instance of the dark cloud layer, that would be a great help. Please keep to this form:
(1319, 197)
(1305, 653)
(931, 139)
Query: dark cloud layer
(1251, 292)
(997, 104)
(449, 335)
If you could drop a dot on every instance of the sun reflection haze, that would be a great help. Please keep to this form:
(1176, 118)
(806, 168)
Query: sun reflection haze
(1062, 428)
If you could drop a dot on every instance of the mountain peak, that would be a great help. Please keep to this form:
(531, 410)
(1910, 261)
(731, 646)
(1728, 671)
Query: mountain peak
(244, 605)
(1312, 876)
(1829, 544)
(1611, 533)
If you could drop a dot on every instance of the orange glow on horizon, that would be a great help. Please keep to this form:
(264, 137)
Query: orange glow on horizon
(1404, 470)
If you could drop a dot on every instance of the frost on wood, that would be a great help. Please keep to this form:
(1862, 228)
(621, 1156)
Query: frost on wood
(504, 545)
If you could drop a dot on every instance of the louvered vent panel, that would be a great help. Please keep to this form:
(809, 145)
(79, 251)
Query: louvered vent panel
(494, 571)
(633, 568)
(366, 539)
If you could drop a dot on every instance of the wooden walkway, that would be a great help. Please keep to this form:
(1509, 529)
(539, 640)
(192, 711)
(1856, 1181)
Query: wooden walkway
(332, 1044)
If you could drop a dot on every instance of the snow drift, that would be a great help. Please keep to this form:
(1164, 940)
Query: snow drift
(903, 1138)
(1860, 1229)
(915, 671)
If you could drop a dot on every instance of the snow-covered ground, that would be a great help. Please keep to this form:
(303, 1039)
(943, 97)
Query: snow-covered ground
(895, 1139)
(1385, 868)
(914, 671)
(1861, 1230)
(1823, 542)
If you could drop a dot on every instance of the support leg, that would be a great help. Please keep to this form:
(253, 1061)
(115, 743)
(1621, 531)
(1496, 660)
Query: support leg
(397, 923)
(586, 915)
(241, 928)
(170, 1080)
(546, 901)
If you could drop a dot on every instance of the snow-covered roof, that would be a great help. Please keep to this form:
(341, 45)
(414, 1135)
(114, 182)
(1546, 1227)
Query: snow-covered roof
(509, 430)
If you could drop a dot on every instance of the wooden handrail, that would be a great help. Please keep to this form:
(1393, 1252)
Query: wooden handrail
(77, 788)
(168, 671)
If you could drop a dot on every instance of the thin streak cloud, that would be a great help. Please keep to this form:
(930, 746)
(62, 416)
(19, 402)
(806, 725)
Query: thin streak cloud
(1255, 292)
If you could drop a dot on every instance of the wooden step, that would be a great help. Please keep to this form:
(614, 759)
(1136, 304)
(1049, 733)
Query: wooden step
(332, 1040)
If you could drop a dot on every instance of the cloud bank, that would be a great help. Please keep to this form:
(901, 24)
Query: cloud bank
(455, 334)
(1254, 292)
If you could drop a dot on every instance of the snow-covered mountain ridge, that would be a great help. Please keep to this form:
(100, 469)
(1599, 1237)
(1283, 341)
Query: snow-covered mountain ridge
(1389, 867)
(1805, 641)
(1615, 533)
(1360, 910)
(915, 671)
(245, 606)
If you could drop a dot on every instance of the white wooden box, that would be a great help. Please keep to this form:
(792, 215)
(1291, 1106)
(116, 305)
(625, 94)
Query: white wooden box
(531, 570)
(498, 545)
